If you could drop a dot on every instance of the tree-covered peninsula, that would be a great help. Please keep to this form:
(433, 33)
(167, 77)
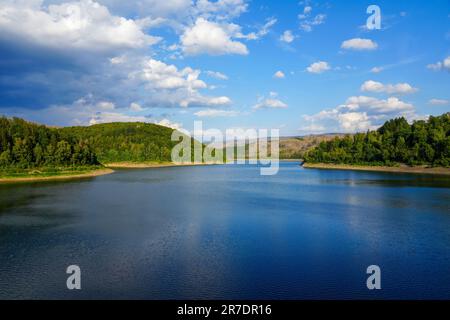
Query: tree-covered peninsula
(424, 142)
(32, 150)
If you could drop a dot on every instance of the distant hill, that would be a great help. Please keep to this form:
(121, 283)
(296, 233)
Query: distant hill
(291, 148)
(297, 147)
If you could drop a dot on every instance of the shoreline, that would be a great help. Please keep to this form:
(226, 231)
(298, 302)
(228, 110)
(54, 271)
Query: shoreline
(147, 165)
(109, 168)
(89, 174)
(299, 161)
(401, 169)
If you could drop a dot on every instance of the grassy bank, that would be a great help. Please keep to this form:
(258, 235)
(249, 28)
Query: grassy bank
(47, 174)
(399, 169)
(143, 165)
(12, 175)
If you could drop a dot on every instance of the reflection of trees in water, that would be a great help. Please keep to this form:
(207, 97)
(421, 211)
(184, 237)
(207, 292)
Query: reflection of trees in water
(30, 206)
(417, 181)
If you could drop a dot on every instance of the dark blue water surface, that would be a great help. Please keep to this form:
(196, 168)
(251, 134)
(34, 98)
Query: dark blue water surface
(227, 232)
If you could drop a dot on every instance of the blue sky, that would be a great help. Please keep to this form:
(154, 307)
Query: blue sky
(300, 66)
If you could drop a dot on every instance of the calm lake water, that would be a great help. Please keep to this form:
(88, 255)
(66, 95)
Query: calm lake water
(226, 232)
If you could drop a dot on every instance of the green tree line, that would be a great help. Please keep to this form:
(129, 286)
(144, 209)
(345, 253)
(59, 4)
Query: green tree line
(396, 142)
(28, 145)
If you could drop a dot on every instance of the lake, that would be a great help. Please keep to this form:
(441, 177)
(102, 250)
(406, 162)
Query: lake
(226, 232)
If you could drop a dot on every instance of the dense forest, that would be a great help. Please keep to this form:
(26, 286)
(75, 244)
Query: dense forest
(27, 145)
(396, 142)
(133, 142)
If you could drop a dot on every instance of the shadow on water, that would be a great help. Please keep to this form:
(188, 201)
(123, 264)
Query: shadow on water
(397, 180)
(36, 204)
(16, 200)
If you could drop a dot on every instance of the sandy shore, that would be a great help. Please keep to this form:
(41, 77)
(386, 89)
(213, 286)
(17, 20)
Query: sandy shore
(89, 174)
(401, 169)
(143, 165)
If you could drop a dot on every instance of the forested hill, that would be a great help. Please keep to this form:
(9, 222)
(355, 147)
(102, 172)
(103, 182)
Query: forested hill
(133, 141)
(28, 145)
(396, 142)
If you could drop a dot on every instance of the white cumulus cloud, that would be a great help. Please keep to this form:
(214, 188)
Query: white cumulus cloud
(207, 37)
(169, 124)
(399, 88)
(165, 85)
(279, 75)
(164, 76)
(318, 67)
(84, 25)
(287, 36)
(440, 65)
(357, 114)
(389, 105)
(376, 69)
(359, 44)
(272, 102)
